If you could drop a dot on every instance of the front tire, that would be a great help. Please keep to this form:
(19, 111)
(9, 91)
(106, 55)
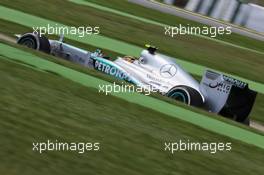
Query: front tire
(29, 41)
(35, 42)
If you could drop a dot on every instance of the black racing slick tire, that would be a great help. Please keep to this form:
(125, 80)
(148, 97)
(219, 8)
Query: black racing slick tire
(29, 41)
(35, 42)
(186, 95)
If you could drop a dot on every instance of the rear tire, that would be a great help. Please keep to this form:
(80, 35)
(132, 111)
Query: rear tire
(247, 121)
(186, 95)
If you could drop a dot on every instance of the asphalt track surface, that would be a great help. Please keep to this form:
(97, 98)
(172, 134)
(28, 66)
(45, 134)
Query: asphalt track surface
(106, 43)
(196, 17)
(211, 124)
(99, 7)
(256, 125)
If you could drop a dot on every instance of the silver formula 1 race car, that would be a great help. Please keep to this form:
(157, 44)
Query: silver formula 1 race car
(216, 92)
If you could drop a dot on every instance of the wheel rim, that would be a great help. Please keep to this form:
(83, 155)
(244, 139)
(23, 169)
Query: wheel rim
(179, 96)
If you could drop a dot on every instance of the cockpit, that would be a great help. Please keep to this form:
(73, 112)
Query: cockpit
(130, 59)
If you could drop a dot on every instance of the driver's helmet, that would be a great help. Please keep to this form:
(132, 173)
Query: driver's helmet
(130, 59)
(98, 52)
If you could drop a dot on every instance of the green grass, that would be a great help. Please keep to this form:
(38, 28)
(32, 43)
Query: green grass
(258, 109)
(110, 79)
(203, 52)
(38, 63)
(36, 106)
(9, 29)
(260, 2)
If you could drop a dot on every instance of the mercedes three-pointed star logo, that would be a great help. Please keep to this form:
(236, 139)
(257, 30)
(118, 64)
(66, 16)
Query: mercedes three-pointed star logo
(168, 70)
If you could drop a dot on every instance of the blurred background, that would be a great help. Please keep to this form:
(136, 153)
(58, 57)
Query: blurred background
(247, 13)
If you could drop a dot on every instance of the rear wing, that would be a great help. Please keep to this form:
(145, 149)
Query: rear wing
(227, 96)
